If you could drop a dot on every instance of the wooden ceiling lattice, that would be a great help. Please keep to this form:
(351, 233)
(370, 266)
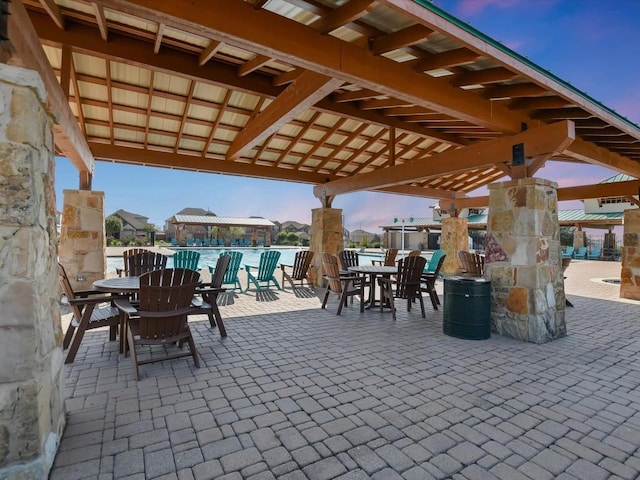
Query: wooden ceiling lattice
(326, 92)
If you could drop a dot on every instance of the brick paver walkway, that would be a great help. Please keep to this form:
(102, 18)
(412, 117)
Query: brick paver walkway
(296, 392)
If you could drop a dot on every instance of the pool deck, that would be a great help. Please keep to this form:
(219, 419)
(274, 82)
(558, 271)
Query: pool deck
(296, 392)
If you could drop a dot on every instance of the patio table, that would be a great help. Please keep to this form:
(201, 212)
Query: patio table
(118, 284)
(374, 271)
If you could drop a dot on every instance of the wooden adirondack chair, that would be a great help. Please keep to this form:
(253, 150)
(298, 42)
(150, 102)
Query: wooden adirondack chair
(389, 258)
(124, 271)
(91, 309)
(186, 259)
(207, 294)
(266, 271)
(145, 262)
(472, 263)
(407, 284)
(429, 281)
(300, 268)
(434, 261)
(342, 285)
(161, 316)
(231, 274)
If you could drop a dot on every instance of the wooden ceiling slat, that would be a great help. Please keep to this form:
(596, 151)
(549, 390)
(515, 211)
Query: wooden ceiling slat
(451, 58)
(352, 96)
(216, 123)
(149, 104)
(321, 143)
(158, 42)
(298, 137)
(185, 114)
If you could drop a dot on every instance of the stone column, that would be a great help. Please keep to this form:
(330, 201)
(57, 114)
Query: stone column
(326, 236)
(267, 237)
(578, 238)
(82, 238)
(630, 270)
(523, 260)
(453, 239)
(31, 382)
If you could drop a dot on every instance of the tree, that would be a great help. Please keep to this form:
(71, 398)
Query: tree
(113, 225)
(149, 228)
(293, 238)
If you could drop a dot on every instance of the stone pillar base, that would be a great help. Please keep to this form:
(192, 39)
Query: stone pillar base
(452, 240)
(630, 269)
(523, 260)
(326, 236)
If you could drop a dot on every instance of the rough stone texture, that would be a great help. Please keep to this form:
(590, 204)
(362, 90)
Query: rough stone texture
(630, 272)
(522, 260)
(326, 236)
(31, 384)
(454, 238)
(82, 237)
(579, 239)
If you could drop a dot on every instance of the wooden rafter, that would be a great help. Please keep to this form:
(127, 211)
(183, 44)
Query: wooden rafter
(109, 99)
(65, 70)
(208, 53)
(78, 100)
(321, 143)
(297, 97)
(375, 138)
(451, 58)
(287, 77)
(252, 65)
(149, 104)
(185, 114)
(406, 37)
(158, 42)
(546, 139)
(347, 13)
(101, 20)
(52, 9)
(216, 123)
(347, 139)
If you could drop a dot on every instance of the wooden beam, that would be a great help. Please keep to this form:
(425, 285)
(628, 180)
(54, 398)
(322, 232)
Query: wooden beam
(580, 192)
(287, 77)
(297, 97)
(52, 9)
(212, 164)
(209, 52)
(28, 51)
(347, 13)
(406, 37)
(591, 153)
(355, 95)
(547, 139)
(266, 33)
(481, 77)
(65, 70)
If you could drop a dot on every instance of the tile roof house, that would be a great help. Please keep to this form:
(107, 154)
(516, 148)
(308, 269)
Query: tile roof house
(133, 224)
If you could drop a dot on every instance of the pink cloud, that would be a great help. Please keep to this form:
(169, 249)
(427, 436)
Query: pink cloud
(472, 7)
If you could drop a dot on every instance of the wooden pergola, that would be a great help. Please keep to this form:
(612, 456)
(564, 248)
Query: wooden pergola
(392, 96)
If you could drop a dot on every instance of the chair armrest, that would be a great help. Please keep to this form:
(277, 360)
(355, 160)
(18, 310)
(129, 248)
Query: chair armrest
(377, 262)
(201, 291)
(283, 265)
(100, 299)
(386, 281)
(86, 293)
(249, 267)
(124, 305)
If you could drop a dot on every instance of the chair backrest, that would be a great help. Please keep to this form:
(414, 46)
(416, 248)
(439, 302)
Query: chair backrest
(434, 260)
(125, 259)
(68, 291)
(390, 257)
(436, 272)
(331, 272)
(167, 290)
(145, 262)
(186, 259)
(414, 253)
(301, 264)
(582, 251)
(409, 276)
(268, 264)
(231, 275)
(217, 276)
(349, 258)
(472, 263)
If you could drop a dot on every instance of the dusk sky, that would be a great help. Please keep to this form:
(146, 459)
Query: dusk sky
(593, 45)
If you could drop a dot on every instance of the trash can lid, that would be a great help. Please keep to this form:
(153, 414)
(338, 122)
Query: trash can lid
(457, 278)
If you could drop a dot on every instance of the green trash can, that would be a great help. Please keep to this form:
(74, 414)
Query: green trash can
(467, 308)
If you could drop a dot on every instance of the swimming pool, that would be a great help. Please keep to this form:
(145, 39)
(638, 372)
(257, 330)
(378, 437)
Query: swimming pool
(250, 256)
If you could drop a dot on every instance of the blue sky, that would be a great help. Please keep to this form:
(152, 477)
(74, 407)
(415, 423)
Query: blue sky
(593, 45)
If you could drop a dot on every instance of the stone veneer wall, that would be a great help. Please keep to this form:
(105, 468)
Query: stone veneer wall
(326, 236)
(523, 260)
(630, 272)
(454, 237)
(82, 238)
(31, 382)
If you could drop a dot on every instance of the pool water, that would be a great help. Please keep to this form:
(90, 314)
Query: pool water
(250, 256)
